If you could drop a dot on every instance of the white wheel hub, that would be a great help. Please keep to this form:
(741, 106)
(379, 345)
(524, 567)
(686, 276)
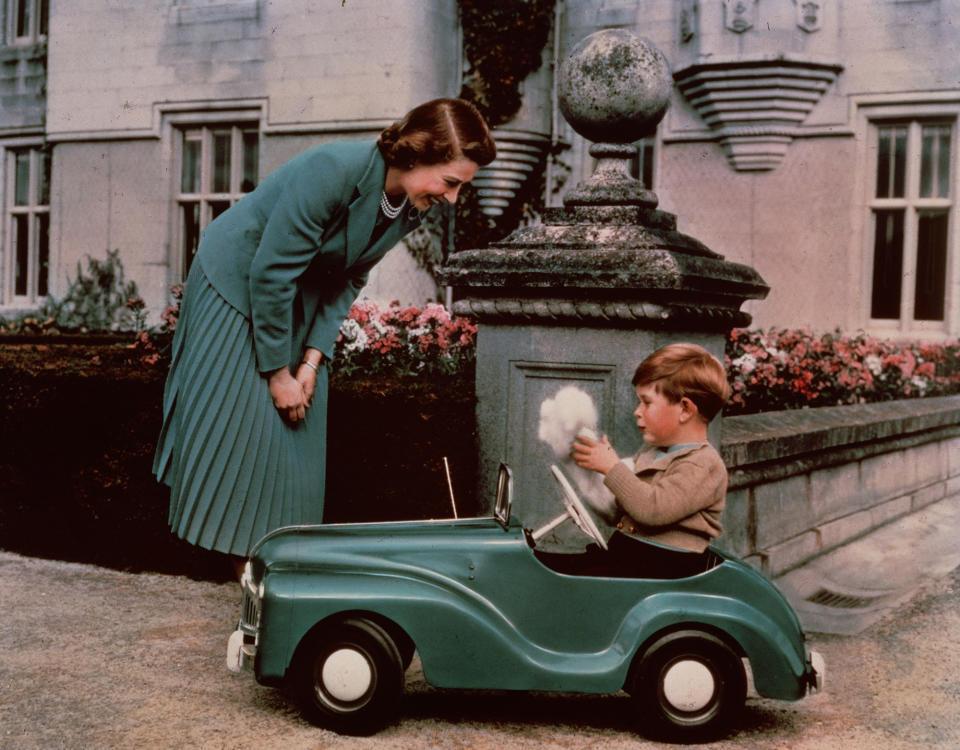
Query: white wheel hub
(346, 674)
(688, 685)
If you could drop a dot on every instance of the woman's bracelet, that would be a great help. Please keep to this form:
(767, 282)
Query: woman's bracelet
(312, 366)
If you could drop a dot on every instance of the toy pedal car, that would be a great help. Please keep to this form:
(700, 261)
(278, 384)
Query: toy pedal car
(338, 611)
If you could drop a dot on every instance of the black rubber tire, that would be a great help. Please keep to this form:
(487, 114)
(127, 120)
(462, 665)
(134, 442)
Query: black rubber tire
(363, 643)
(722, 695)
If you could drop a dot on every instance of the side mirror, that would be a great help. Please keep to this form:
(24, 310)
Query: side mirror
(504, 500)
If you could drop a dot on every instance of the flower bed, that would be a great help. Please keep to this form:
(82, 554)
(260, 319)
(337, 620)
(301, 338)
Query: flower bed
(403, 341)
(768, 370)
(795, 368)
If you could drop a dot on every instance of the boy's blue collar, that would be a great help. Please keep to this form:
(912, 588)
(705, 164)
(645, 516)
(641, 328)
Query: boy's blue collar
(673, 449)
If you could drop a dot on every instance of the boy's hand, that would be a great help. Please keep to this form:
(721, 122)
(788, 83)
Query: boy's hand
(595, 455)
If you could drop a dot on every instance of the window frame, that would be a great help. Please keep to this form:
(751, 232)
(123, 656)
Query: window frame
(37, 23)
(913, 115)
(176, 124)
(33, 210)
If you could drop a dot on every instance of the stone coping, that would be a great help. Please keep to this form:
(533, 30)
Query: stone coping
(774, 445)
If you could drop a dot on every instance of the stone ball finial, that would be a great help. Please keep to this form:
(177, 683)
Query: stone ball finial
(614, 87)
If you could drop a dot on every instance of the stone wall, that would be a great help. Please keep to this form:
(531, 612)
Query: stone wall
(805, 482)
(122, 79)
(112, 69)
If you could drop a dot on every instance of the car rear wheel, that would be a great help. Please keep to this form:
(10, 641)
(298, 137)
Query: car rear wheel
(690, 686)
(349, 677)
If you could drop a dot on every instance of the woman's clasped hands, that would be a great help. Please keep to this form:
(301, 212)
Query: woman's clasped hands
(292, 394)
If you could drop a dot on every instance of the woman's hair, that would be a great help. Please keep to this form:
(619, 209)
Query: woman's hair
(438, 132)
(686, 371)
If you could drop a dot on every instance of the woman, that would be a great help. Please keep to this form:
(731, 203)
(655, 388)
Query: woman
(243, 442)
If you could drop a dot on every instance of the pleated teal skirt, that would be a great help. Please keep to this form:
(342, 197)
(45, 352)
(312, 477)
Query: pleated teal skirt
(235, 468)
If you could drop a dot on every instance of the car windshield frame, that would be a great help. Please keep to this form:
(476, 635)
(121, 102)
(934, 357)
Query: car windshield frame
(503, 503)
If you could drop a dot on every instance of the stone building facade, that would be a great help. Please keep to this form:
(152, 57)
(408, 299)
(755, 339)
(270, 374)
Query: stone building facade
(815, 141)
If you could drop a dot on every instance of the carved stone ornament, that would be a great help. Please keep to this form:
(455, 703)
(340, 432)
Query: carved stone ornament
(689, 20)
(809, 15)
(740, 15)
(755, 106)
(609, 257)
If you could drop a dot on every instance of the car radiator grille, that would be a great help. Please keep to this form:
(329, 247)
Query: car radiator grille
(250, 611)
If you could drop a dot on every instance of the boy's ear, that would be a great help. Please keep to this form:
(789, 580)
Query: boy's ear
(688, 409)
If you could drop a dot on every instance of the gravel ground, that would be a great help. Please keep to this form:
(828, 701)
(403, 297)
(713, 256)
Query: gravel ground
(96, 658)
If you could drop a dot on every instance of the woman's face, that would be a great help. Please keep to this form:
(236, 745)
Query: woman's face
(426, 185)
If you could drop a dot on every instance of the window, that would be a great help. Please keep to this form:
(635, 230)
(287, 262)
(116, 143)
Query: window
(27, 20)
(911, 204)
(641, 167)
(218, 166)
(28, 225)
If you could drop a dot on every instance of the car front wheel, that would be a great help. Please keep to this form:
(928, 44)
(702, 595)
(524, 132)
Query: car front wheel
(349, 677)
(690, 686)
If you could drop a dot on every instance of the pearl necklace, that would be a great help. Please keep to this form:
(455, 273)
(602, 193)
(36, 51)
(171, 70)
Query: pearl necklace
(389, 211)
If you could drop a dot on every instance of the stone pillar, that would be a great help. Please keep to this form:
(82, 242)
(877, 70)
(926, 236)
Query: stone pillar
(584, 296)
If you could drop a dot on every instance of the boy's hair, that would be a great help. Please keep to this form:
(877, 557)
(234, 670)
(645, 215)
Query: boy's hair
(686, 371)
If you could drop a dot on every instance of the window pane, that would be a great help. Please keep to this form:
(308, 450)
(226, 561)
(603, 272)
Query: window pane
(43, 254)
(646, 171)
(251, 158)
(927, 155)
(891, 161)
(221, 161)
(21, 254)
(43, 189)
(190, 174)
(23, 17)
(931, 265)
(190, 232)
(899, 162)
(21, 189)
(217, 208)
(935, 161)
(887, 264)
(44, 15)
(943, 166)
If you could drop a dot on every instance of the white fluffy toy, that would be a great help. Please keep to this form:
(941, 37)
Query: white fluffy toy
(569, 413)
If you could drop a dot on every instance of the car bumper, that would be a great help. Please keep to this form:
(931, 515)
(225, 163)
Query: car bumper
(241, 652)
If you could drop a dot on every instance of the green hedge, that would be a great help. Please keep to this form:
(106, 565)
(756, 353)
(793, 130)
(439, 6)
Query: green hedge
(78, 426)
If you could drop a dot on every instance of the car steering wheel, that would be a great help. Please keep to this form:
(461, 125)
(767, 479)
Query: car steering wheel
(576, 509)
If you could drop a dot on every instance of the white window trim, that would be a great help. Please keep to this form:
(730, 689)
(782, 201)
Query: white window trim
(9, 300)
(176, 118)
(33, 35)
(871, 111)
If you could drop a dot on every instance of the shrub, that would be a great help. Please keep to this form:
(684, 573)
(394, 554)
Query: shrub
(97, 300)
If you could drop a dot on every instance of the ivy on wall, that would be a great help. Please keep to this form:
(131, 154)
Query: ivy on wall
(503, 41)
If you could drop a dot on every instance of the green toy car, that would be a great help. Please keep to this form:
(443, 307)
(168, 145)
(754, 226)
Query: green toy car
(337, 611)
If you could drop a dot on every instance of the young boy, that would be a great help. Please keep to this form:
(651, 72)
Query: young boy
(671, 501)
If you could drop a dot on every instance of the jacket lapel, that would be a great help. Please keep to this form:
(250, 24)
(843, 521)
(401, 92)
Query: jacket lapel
(362, 213)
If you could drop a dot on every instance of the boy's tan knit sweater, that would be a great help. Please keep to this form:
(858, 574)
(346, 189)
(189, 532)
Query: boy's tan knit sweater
(676, 499)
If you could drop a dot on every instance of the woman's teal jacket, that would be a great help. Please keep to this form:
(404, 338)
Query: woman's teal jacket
(293, 255)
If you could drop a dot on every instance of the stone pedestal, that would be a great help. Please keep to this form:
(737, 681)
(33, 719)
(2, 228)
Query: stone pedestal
(587, 294)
